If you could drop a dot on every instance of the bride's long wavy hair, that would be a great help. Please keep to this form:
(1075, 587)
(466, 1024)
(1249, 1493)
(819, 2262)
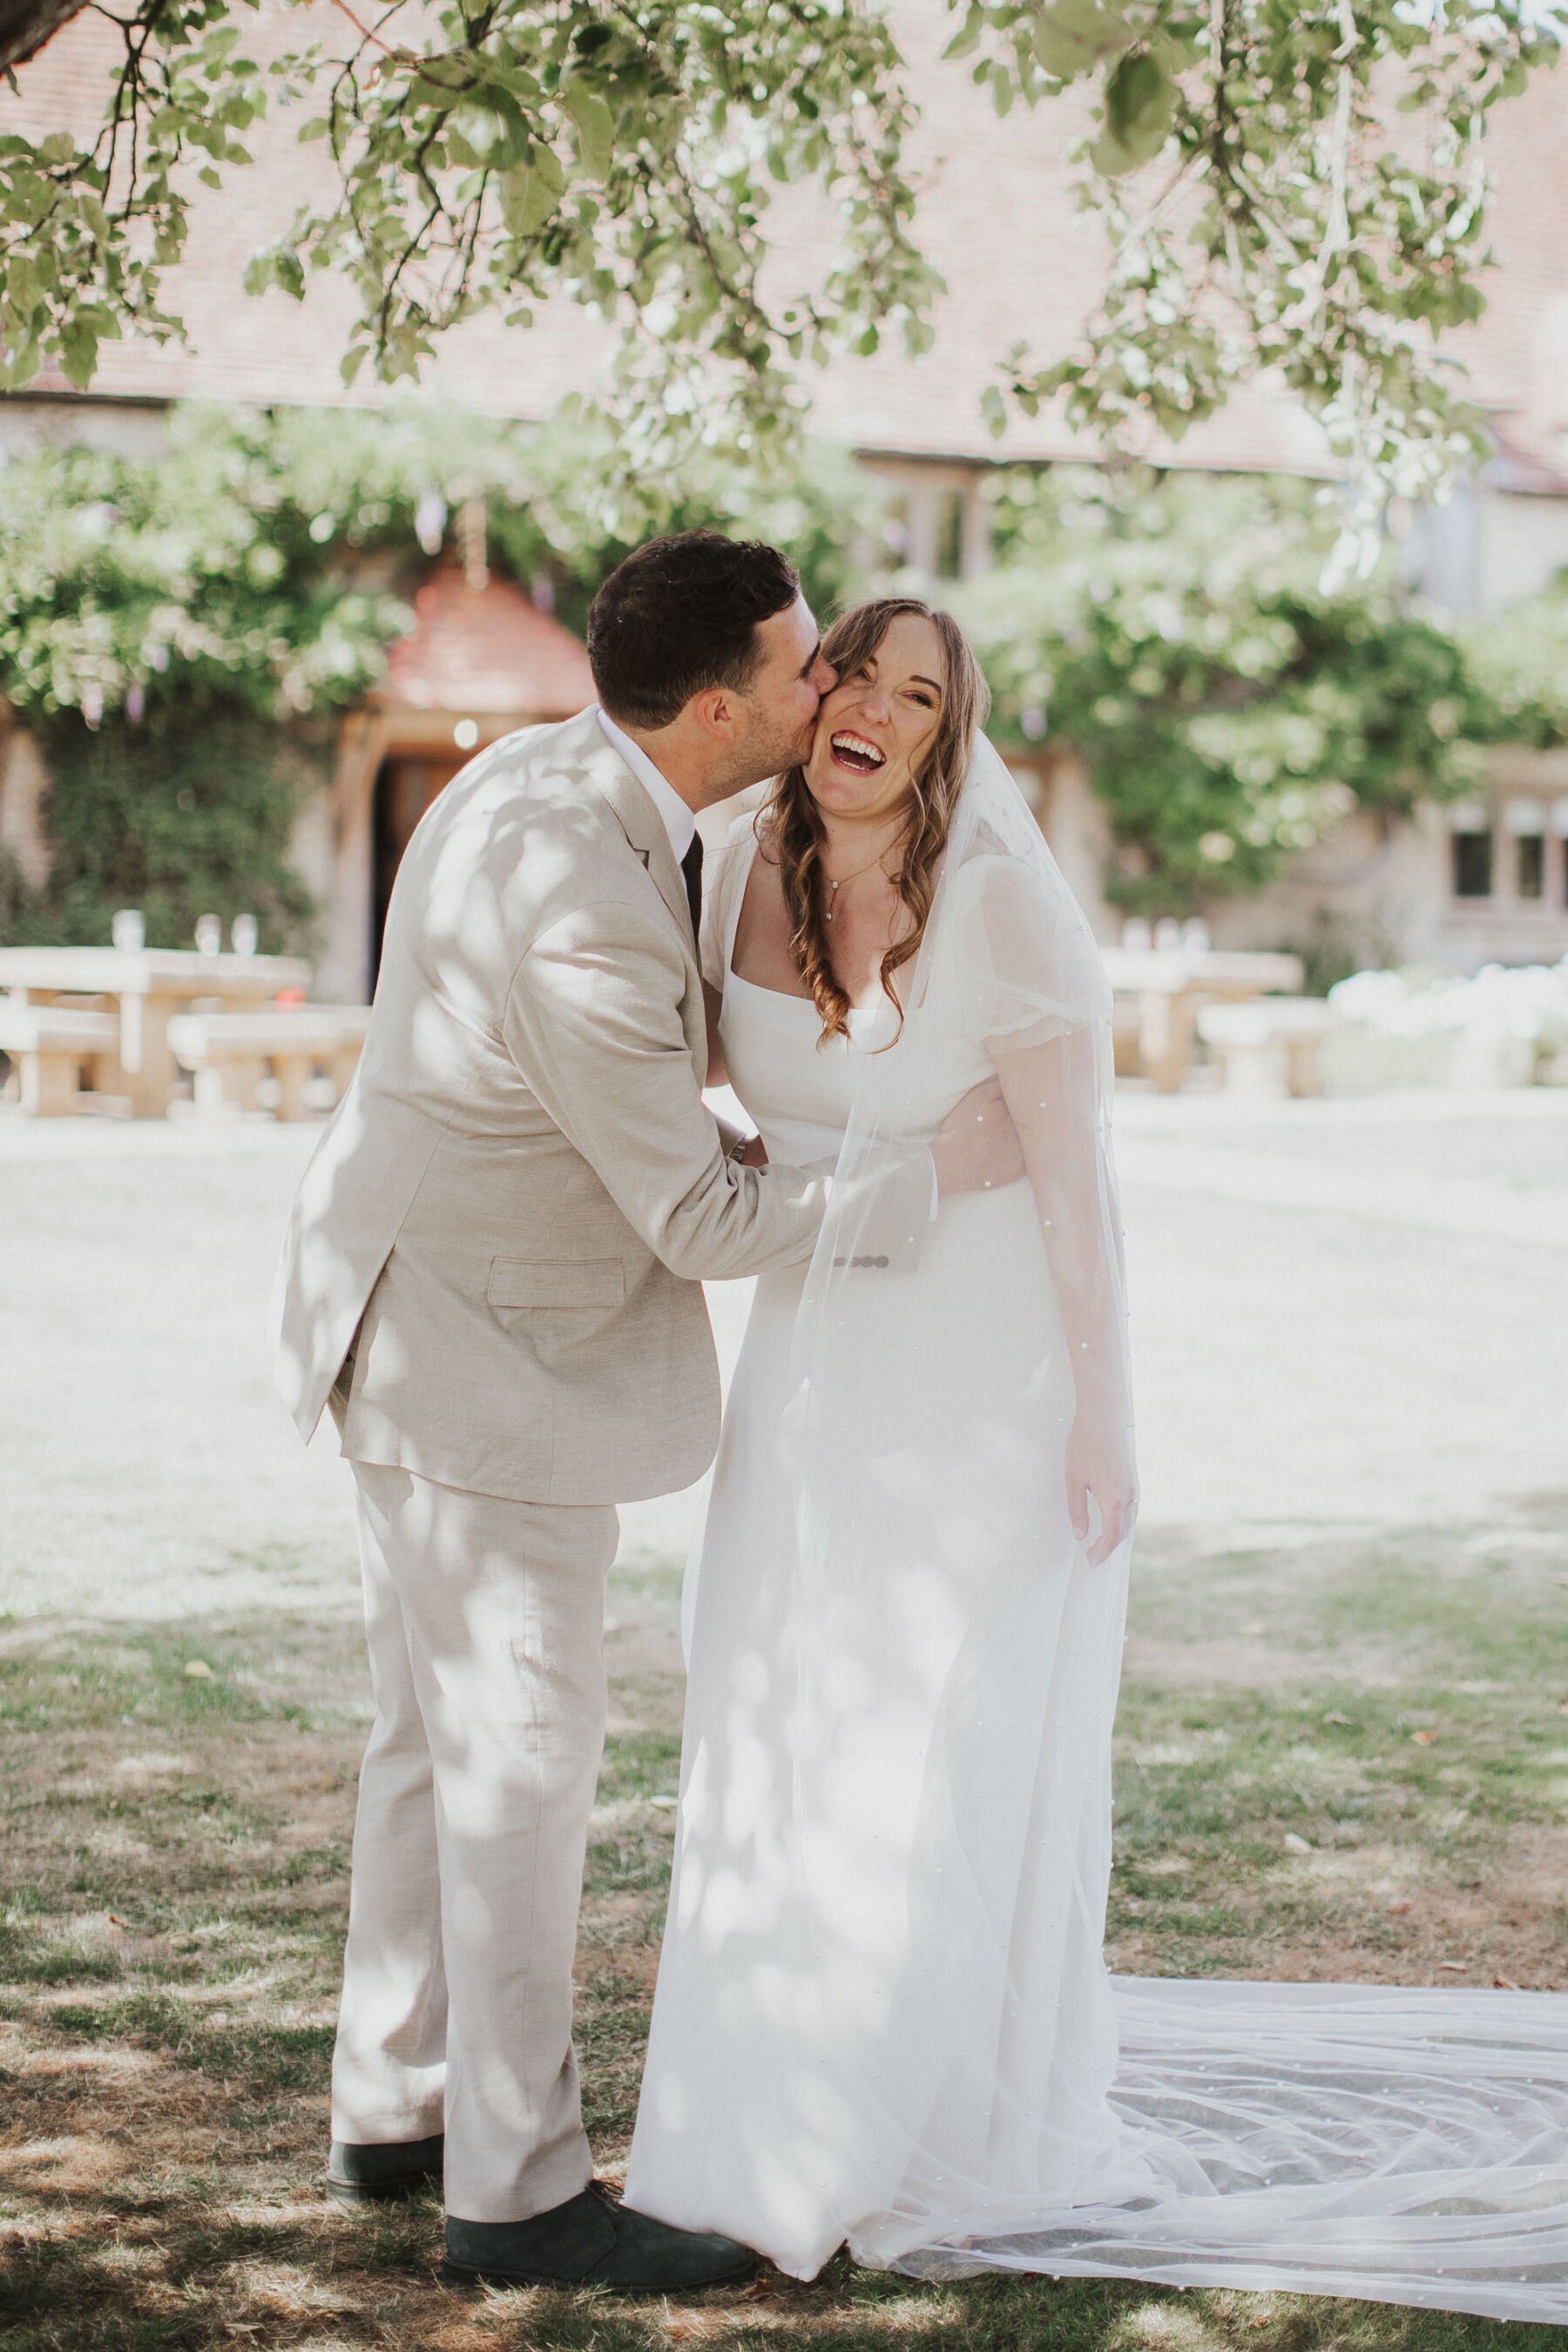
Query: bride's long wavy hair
(792, 829)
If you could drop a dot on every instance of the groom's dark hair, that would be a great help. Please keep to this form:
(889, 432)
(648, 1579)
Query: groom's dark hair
(680, 616)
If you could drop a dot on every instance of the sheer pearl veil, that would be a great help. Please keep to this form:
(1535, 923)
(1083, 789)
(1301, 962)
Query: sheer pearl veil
(1020, 963)
(1404, 2145)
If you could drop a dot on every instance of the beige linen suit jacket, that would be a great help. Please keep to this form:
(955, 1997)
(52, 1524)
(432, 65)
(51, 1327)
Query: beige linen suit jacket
(517, 1201)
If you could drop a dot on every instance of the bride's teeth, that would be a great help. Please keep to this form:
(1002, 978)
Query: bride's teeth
(854, 748)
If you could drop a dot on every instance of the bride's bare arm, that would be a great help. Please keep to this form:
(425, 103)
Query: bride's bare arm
(1053, 1093)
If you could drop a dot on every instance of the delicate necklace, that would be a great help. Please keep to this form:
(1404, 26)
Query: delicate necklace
(837, 887)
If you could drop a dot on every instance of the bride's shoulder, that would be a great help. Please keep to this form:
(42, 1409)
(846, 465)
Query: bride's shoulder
(726, 865)
(724, 872)
(744, 834)
(990, 880)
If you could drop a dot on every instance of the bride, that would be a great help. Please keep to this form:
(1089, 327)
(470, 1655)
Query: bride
(882, 2014)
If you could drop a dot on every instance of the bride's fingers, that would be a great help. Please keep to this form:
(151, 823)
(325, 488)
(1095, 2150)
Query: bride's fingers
(1116, 1526)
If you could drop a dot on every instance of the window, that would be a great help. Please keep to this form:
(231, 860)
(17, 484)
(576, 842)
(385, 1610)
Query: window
(948, 552)
(896, 531)
(1473, 865)
(1530, 872)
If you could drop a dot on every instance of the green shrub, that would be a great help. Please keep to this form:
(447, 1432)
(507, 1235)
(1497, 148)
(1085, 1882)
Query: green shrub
(183, 816)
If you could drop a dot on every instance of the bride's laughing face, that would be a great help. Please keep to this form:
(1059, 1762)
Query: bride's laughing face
(876, 726)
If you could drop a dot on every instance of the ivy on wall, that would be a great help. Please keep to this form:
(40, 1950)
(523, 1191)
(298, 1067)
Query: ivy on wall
(175, 632)
(179, 818)
(1173, 630)
(181, 633)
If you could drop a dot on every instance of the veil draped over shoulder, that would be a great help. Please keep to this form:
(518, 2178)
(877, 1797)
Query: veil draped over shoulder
(1404, 2145)
(1008, 952)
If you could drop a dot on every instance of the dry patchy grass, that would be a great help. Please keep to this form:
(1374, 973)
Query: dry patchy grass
(177, 1847)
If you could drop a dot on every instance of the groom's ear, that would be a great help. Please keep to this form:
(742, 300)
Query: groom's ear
(716, 712)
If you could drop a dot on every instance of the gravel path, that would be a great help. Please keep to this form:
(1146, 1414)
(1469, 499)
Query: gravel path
(1345, 1315)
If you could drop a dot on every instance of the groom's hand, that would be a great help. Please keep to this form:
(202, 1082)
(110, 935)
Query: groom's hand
(976, 1148)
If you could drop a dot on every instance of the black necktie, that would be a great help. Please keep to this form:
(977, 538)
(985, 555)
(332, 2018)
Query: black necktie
(691, 867)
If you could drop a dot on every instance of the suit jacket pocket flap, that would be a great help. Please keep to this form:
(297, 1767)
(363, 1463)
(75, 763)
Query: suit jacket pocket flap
(557, 1282)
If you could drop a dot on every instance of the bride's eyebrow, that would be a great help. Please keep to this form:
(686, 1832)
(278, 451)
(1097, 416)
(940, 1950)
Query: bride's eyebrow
(917, 680)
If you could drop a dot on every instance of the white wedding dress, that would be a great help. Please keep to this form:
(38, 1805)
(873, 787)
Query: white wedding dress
(882, 2012)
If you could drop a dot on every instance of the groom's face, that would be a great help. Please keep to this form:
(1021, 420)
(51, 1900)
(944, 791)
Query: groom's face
(781, 703)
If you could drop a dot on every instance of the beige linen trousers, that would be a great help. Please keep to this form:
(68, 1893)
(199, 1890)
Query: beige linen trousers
(493, 1267)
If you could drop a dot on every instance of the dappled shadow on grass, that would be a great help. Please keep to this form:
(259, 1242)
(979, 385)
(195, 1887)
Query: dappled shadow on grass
(176, 1867)
(321, 2279)
(1347, 1760)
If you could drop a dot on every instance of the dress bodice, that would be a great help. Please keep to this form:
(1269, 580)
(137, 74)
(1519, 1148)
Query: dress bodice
(800, 1091)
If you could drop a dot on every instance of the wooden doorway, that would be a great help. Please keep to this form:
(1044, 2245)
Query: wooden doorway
(405, 784)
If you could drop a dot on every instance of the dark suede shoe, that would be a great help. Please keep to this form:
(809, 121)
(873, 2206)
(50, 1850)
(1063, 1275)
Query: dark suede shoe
(591, 2242)
(378, 2172)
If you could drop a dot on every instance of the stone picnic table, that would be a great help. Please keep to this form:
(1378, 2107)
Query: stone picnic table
(148, 988)
(1170, 984)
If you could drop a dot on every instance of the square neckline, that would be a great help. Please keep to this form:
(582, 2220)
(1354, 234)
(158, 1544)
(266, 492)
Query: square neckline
(781, 995)
(786, 996)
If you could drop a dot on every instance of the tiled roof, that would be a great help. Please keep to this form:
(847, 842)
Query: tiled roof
(1514, 468)
(485, 650)
(1022, 264)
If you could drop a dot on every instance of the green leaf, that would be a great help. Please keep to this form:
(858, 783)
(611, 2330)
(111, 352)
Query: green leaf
(24, 284)
(543, 159)
(78, 350)
(1073, 36)
(527, 199)
(493, 128)
(1139, 97)
(595, 127)
(317, 128)
(966, 41)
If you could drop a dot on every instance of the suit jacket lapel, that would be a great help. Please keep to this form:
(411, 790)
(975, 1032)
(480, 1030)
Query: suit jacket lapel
(637, 818)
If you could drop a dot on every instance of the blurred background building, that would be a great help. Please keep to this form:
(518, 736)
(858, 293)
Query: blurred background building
(1453, 882)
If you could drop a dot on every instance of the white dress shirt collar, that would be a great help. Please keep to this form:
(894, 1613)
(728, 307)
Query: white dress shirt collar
(679, 821)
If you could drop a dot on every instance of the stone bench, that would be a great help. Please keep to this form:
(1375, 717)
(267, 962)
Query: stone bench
(1269, 1045)
(233, 1056)
(52, 1047)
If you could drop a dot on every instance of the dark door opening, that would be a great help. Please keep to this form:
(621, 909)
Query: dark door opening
(405, 787)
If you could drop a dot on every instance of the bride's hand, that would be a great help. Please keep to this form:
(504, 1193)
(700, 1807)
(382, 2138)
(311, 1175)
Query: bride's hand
(977, 1145)
(1099, 1463)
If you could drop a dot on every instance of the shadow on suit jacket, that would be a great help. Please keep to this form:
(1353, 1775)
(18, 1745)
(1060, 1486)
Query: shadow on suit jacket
(516, 1202)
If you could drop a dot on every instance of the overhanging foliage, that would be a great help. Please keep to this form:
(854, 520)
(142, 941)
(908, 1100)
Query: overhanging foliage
(1300, 188)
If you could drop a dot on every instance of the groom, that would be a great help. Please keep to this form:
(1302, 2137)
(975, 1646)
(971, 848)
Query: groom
(492, 1273)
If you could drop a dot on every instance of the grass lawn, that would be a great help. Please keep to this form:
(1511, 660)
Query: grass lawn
(1348, 1760)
